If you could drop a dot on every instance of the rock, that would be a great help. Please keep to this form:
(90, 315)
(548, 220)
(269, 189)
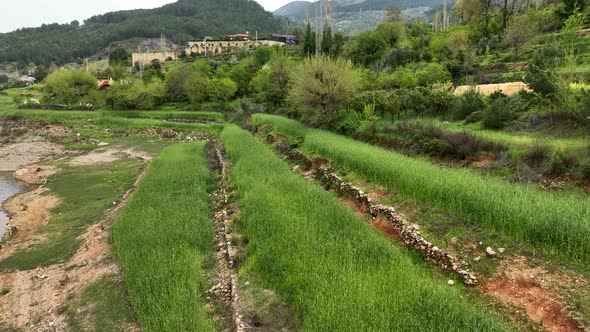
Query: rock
(103, 144)
(451, 282)
(476, 259)
(501, 250)
(21, 172)
(490, 252)
(416, 226)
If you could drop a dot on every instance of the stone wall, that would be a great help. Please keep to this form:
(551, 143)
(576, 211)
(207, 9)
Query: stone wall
(220, 47)
(408, 233)
(147, 58)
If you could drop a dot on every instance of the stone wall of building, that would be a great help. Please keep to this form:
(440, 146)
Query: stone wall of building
(147, 58)
(219, 47)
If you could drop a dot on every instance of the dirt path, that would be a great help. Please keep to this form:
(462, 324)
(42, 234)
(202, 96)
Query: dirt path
(36, 298)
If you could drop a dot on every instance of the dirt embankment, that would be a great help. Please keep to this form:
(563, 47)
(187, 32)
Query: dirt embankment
(531, 287)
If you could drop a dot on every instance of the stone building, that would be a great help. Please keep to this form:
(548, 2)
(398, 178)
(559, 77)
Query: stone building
(147, 58)
(220, 47)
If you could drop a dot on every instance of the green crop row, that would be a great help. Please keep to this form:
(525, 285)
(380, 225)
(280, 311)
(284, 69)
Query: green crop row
(163, 238)
(559, 223)
(334, 271)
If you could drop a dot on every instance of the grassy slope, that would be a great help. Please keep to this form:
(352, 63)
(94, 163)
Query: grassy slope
(85, 193)
(335, 272)
(556, 222)
(164, 237)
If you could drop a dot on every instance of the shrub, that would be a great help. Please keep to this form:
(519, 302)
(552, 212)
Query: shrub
(68, 87)
(320, 88)
(562, 162)
(221, 90)
(537, 155)
(497, 114)
(433, 73)
(465, 105)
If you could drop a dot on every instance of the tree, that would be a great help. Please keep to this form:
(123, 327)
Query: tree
(507, 8)
(262, 54)
(327, 42)
(40, 73)
(366, 48)
(68, 87)
(271, 84)
(338, 44)
(146, 96)
(120, 56)
(320, 87)
(393, 32)
(519, 30)
(175, 81)
(221, 90)
(309, 44)
(117, 71)
(152, 74)
(196, 86)
(433, 73)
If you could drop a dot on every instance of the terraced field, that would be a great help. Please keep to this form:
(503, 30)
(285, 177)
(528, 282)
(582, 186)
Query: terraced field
(227, 236)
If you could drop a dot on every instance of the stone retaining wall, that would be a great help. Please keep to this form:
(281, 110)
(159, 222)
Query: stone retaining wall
(407, 232)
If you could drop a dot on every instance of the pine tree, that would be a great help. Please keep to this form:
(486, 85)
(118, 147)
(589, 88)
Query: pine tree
(309, 47)
(327, 41)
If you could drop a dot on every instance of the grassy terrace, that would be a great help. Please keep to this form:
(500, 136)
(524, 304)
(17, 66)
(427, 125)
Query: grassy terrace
(108, 119)
(335, 272)
(163, 239)
(558, 223)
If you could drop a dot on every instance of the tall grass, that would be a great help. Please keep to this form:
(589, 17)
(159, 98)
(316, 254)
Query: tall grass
(163, 238)
(335, 272)
(559, 223)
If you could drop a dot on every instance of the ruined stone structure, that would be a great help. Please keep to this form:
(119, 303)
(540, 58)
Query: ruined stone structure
(219, 47)
(147, 58)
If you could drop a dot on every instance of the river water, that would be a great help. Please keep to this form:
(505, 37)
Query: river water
(8, 187)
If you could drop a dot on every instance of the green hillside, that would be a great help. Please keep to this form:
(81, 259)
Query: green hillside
(180, 21)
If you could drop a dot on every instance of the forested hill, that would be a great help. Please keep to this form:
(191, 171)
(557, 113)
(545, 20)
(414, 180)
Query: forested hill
(301, 9)
(180, 21)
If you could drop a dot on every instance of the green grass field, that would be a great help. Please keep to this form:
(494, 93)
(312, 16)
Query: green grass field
(558, 223)
(335, 272)
(164, 238)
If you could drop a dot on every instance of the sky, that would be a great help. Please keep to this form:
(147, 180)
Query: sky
(32, 13)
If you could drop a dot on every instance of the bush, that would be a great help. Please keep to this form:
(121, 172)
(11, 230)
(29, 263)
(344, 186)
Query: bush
(433, 73)
(497, 114)
(537, 155)
(68, 87)
(221, 90)
(563, 162)
(321, 87)
(465, 105)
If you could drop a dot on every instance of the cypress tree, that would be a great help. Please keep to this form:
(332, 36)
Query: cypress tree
(327, 41)
(309, 47)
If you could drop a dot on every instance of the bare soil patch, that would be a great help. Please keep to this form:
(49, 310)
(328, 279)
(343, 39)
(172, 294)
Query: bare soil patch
(16, 155)
(519, 284)
(384, 226)
(108, 156)
(28, 211)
